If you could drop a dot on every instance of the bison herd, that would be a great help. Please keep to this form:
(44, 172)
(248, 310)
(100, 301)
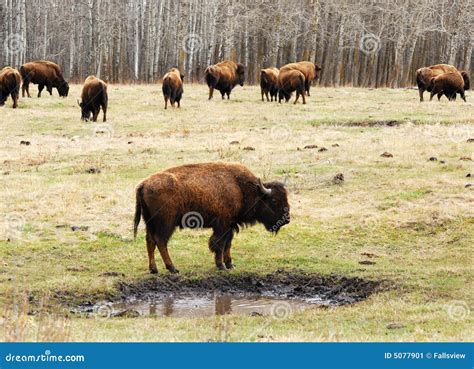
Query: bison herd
(221, 196)
(439, 79)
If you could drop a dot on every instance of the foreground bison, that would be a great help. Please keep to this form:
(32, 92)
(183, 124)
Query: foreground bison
(224, 76)
(10, 81)
(289, 81)
(309, 70)
(172, 87)
(45, 74)
(448, 84)
(269, 83)
(221, 196)
(94, 96)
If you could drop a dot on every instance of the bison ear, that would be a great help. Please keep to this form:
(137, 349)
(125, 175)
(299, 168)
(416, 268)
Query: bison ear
(263, 190)
(240, 68)
(318, 68)
(182, 77)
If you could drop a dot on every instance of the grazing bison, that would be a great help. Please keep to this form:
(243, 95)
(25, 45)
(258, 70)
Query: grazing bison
(224, 76)
(269, 83)
(289, 81)
(45, 74)
(309, 70)
(173, 87)
(448, 84)
(10, 81)
(425, 74)
(221, 196)
(94, 96)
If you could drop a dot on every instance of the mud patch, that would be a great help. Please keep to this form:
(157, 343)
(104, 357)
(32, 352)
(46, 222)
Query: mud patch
(242, 294)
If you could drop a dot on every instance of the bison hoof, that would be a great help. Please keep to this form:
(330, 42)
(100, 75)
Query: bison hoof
(173, 270)
(153, 270)
(221, 267)
(229, 265)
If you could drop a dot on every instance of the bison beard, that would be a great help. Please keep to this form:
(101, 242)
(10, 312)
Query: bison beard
(221, 196)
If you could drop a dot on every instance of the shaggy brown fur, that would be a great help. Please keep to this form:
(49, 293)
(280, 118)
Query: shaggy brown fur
(172, 87)
(289, 81)
(10, 81)
(425, 74)
(269, 83)
(309, 70)
(467, 80)
(45, 74)
(94, 96)
(448, 84)
(221, 196)
(224, 76)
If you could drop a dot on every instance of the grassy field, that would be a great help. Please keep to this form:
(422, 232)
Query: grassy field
(413, 216)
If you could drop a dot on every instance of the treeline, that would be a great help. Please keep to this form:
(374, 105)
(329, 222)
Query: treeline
(359, 43)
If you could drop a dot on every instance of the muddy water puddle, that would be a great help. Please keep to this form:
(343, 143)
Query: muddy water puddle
(192, 306)
(279, 294)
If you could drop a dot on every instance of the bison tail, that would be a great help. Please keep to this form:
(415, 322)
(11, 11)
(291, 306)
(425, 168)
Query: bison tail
(211, 79)
(138, 209)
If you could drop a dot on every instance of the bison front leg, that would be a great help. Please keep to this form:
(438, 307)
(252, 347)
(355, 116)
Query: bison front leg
(40, 89)
(211, 92)
(420, 92)
(217, 245)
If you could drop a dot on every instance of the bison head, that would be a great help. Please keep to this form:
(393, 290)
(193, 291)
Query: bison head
(240, 74)
(63, 89)
(273, 211)
(85, 111)
(317, 69)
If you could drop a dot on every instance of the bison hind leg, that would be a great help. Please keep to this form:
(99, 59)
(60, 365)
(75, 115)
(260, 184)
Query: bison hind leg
(151, 246)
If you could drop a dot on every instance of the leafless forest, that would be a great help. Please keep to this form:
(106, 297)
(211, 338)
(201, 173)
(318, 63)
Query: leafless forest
(358, 43)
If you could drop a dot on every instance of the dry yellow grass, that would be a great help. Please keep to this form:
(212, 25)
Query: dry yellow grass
(415, 214)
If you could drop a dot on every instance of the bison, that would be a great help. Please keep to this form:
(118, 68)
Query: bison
(10, 81)
(448, 84)
(425, 74)
(45, 74)
(173, 87)
(289, 81)
(309, 70)
(269, 83)
(224, 76)
(94, 96)
(221, 196)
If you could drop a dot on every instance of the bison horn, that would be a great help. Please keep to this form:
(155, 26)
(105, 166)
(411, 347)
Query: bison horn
(78, 103)
(263, 189)
(285, 180)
